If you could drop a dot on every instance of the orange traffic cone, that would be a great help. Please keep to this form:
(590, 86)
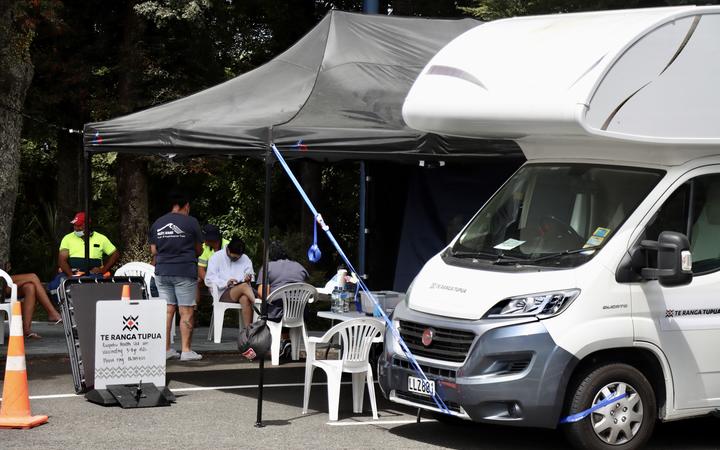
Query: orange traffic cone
(125, 292)
(15, 409)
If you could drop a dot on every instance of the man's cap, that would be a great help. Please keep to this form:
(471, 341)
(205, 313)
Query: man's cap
(79, 219)
(211, 232)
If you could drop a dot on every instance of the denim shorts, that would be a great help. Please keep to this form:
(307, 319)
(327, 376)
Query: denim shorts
(177, 290)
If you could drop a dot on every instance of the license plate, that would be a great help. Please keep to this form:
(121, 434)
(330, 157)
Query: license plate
(420, 386)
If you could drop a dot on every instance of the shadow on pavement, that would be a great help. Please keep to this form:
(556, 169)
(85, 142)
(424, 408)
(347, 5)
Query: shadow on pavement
(286, 395)
(480, 436)
(692, 434)
(276, 423)
(282, 407)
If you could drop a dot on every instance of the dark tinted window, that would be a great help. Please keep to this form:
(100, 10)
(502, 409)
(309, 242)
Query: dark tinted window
(673, 215)
(694, 210)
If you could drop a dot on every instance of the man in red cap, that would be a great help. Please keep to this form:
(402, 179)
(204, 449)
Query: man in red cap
(71, 258)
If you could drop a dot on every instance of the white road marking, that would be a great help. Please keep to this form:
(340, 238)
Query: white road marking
(193, 389)
(246, 386)
(43, 397)
(254, 386)
(377, 422)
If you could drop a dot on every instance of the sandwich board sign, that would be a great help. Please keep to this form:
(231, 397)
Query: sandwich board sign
(130, 342)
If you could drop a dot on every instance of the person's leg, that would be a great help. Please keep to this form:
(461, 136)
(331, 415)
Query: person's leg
(40, 294)
(171, 310)
(185, 289)
(27, 292)
(243, 294)
(247, 312)
(186, 327)
(166, 290)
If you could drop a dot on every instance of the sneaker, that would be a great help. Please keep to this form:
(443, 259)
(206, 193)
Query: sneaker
(285, 349)
(172, 354)
(190, 356)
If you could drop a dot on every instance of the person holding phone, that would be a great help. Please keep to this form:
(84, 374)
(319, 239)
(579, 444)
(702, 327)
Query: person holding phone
(232, 272)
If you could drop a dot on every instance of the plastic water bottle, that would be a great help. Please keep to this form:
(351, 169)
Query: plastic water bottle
(345, 300)
(335, 299)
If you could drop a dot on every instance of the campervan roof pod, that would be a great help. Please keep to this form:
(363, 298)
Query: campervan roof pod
(646, 77)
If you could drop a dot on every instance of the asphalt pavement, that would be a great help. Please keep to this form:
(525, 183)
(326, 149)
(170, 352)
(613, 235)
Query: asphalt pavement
(217, 408)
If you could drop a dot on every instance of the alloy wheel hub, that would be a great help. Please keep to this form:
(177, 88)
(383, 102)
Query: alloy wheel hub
(618, 422)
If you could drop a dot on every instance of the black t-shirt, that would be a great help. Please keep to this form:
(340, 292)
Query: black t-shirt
(175, 236)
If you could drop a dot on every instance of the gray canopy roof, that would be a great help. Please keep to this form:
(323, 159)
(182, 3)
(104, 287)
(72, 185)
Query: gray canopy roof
(336, 94)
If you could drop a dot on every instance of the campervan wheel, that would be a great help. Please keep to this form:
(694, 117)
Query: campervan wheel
(613, 407)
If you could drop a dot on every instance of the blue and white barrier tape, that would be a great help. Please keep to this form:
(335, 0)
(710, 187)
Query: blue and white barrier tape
(583, 414)
(436, 398)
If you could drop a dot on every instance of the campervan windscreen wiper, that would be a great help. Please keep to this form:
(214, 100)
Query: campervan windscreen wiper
(553, 255)
(485, 255)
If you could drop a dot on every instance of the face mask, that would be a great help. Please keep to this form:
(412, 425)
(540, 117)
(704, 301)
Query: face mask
(79, 233)
(232, 258)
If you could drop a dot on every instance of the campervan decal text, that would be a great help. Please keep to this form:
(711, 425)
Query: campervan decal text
(692, 312)
(446, 287)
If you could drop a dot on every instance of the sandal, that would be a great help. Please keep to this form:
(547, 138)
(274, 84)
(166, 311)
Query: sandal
(33, 336)
(56, 322)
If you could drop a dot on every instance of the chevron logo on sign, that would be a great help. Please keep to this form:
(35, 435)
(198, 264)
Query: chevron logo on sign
(130, 323)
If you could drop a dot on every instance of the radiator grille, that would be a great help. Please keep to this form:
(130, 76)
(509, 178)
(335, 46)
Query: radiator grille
(447, 345)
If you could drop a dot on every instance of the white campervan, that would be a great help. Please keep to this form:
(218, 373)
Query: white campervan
(586, 291)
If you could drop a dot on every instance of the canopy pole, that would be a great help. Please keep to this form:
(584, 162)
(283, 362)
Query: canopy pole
(266, 258)
(87, 186)
(363, 229)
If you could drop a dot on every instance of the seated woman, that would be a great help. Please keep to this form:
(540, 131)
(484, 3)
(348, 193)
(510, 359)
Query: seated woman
(281, 271)
(30, 290)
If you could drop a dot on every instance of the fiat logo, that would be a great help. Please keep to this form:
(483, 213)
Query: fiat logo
(427, 336)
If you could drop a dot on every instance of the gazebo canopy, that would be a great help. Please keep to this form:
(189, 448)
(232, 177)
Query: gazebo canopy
(336, 94)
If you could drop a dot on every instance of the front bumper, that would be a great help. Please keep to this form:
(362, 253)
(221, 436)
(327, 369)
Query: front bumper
(514, 372)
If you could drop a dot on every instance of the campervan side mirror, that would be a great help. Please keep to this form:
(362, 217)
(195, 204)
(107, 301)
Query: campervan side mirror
(674, 260)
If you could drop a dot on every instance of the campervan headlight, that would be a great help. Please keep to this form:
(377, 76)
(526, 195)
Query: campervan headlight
(541, 305)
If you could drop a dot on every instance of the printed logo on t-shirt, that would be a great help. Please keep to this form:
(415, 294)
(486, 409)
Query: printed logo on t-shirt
(170, 231)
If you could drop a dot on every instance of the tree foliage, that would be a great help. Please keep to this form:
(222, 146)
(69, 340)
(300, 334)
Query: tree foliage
(18, 24)
(178, 47)
(498, 9)
(90, 65)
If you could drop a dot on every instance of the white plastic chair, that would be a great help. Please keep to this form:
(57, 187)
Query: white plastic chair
(7, 307)
(218, 314)
(147, 271)
(294, 297)
(356, 337)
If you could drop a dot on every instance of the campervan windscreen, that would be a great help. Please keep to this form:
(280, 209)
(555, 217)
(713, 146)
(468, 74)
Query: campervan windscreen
(554, 214)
